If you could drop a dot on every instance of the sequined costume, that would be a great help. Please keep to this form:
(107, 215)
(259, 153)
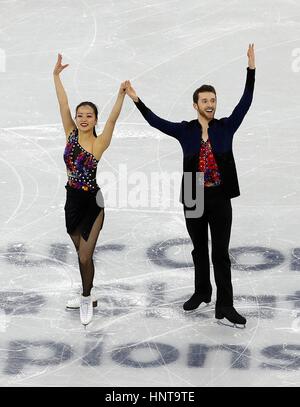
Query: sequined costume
(81, 165)
(84, 200)
(208, 165)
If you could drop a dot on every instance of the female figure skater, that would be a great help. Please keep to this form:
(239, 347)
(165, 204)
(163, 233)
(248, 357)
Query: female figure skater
(84, 208)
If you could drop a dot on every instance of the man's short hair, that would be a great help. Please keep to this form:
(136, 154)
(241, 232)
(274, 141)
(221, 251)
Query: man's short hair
(203, 88)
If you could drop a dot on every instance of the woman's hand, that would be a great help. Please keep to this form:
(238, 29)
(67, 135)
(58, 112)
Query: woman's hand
(122, 90)
(131, 92)
(251, 56)
(59, 67)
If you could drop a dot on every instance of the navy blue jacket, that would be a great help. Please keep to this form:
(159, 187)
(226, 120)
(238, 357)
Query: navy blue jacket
(220, 134)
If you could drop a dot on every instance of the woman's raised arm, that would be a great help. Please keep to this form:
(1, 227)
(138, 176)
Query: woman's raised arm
(68, 122)
(104, 139)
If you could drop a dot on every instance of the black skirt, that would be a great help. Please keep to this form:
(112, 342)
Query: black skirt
(82, 209)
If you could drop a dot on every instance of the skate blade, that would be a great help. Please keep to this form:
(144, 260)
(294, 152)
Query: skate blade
(230, 324)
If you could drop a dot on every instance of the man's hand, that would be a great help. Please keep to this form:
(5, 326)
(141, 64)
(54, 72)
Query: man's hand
(131, 92)
(251, 56)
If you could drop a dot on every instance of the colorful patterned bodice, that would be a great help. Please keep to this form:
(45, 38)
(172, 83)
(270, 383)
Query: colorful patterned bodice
(81, 165)
(208, 165)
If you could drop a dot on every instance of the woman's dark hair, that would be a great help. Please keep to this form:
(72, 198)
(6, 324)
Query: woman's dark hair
(94, 107)
(203, 88)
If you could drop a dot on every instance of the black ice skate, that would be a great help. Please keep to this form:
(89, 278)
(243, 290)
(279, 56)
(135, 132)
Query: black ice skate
(195, 300)
(231, 315)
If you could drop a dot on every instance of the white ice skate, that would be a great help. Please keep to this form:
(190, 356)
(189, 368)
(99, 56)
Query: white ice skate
(74, 303)
(86, 309)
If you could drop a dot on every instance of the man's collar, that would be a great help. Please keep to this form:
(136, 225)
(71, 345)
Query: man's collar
(209, 124)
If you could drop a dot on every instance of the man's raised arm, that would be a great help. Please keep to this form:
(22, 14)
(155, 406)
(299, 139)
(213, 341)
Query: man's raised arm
(239, 112)
(167, 127)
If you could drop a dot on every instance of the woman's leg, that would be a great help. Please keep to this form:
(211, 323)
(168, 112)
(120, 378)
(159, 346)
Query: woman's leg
(75, 236)
(85, 255)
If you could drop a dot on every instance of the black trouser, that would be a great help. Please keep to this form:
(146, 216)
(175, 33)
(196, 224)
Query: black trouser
(218, 215)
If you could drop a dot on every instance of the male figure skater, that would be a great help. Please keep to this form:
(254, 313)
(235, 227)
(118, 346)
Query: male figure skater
(207, 148)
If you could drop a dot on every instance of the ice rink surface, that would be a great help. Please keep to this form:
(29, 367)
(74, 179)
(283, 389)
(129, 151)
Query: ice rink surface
(140, 336)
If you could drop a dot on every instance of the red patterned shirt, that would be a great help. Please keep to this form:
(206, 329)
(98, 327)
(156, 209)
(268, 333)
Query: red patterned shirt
(208, 165)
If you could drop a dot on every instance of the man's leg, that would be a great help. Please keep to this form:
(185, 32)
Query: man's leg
(220, 220)
(198, 231)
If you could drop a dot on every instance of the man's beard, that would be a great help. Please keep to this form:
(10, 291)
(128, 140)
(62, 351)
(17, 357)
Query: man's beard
(207, 116)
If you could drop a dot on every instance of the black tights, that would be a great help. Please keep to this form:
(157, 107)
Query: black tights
(85, 251)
